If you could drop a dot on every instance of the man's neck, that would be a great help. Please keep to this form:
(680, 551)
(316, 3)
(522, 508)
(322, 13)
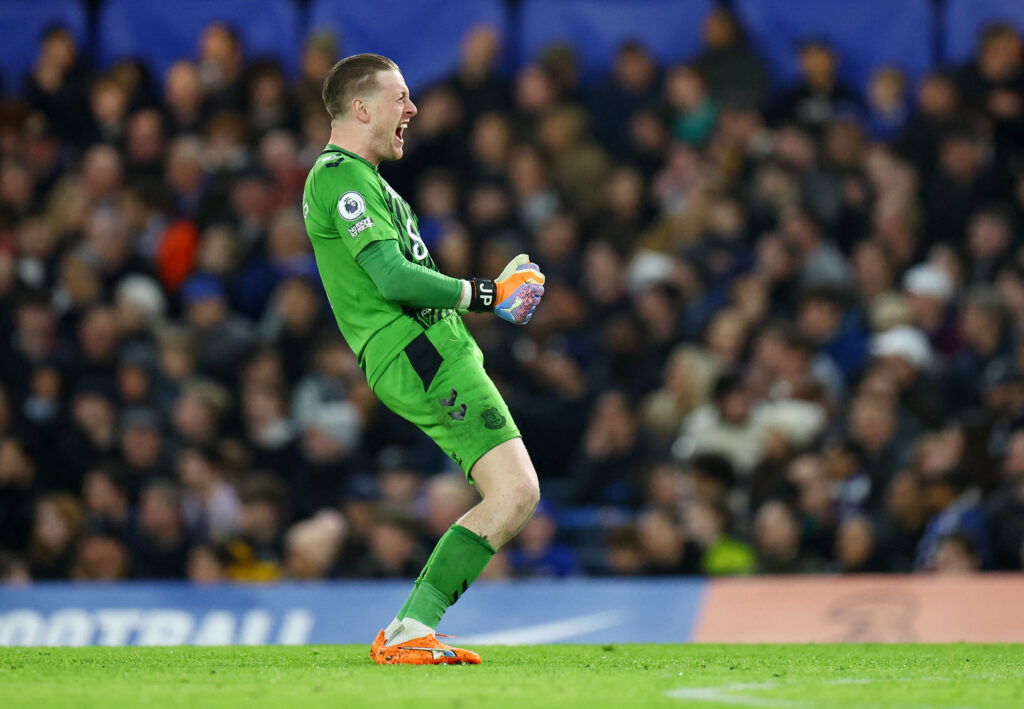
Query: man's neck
(346, 140)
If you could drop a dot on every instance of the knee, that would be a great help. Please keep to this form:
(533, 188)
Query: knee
(525, 496)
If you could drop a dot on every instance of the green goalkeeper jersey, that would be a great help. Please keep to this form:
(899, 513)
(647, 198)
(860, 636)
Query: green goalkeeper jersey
(347, 206)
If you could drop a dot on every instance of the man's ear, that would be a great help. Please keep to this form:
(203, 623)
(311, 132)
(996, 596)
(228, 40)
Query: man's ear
(360, 110)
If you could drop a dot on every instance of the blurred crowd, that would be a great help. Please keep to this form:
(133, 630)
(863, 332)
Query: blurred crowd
(781, 332)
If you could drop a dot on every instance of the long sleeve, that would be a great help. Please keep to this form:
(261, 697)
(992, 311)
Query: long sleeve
(402, 281)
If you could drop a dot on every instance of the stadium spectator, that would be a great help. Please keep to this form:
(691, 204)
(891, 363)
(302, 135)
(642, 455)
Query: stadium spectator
(855, 546)
(105, 493)
(666, 545)
(327, 448)
(876, 428)
(888, 109)
(852, 485)
(269, 105)
(735, 74)
(614, 452)
(398, 480)
(688, 375)
(631, 86)
(819, 95)
(738, 429)
(929, 292)
(985, 339)
(13, 571)
(255, 552)
(142, 445)
(478, 85)
(220, 65)
(393, 550)
(900, 523)
(939, 107)
(712, 477)
(956, 555)
(578, 164)
(446, 499)
(312, 546)
(198, 409)
(93, 435)
(158, 544)
(1004, 511)
(837, 342)
(101, 557)
(720, 553)
(625, 555)
(694, 113)
(209, 503)
(205, 567)
(56, 84)
(953, 509)
(57, 523)
(184, 98)
(537, 204)
(777, 542)
(144, 141)
(993, 83)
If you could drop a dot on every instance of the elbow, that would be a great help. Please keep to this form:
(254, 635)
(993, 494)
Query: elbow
(391, 290)
(387, 290)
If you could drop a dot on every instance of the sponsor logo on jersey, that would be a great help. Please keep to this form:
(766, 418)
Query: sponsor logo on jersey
(305, 210)
(359, 227)
(492, 418)
(351, 206)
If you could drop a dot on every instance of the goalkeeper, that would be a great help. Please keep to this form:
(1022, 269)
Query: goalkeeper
(400, 316)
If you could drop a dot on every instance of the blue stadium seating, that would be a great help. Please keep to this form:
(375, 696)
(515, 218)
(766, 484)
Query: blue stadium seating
(671, 29)
(867, 34)
(878, 32)
(21, 23)
(965, 19)
(407, 31)
(164, 32)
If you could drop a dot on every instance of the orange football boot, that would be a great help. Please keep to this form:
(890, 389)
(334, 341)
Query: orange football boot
(427, 650)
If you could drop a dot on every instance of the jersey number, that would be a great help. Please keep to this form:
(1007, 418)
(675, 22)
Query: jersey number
(419, 249)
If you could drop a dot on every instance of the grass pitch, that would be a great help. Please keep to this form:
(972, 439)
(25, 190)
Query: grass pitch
(531, 677)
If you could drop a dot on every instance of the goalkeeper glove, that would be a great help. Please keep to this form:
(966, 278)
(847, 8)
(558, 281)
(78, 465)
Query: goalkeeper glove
(513, 295)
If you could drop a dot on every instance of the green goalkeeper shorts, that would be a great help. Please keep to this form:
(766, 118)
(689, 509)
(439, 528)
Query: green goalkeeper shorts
(438, 382)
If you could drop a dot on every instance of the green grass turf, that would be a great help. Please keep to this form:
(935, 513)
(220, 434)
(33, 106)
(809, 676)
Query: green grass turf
(526, 677)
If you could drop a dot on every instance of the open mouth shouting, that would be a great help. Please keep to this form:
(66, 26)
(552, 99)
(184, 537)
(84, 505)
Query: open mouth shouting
(400, 132)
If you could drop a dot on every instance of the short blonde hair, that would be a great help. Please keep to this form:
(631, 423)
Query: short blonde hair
(350, 77)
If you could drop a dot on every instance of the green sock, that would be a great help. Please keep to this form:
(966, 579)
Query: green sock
(456, 561)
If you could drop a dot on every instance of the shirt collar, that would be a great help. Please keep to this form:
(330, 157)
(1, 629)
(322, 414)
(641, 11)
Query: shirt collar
(332, 146)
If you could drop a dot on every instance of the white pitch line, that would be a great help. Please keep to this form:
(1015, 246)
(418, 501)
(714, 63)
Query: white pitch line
(559, 630)
(722, 694)
(726, 693)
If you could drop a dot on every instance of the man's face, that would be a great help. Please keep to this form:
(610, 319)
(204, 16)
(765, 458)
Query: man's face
(140, 446)
(206, 313)
(818, 63)
(735, 407)
(819, 319)
(390, 109)
(61, 48)
(1001, 56)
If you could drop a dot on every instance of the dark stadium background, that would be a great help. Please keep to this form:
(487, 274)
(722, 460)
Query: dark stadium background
(781, 331)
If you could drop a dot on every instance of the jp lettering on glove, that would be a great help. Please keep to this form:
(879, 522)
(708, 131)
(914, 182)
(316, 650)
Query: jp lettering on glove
(513, 295)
